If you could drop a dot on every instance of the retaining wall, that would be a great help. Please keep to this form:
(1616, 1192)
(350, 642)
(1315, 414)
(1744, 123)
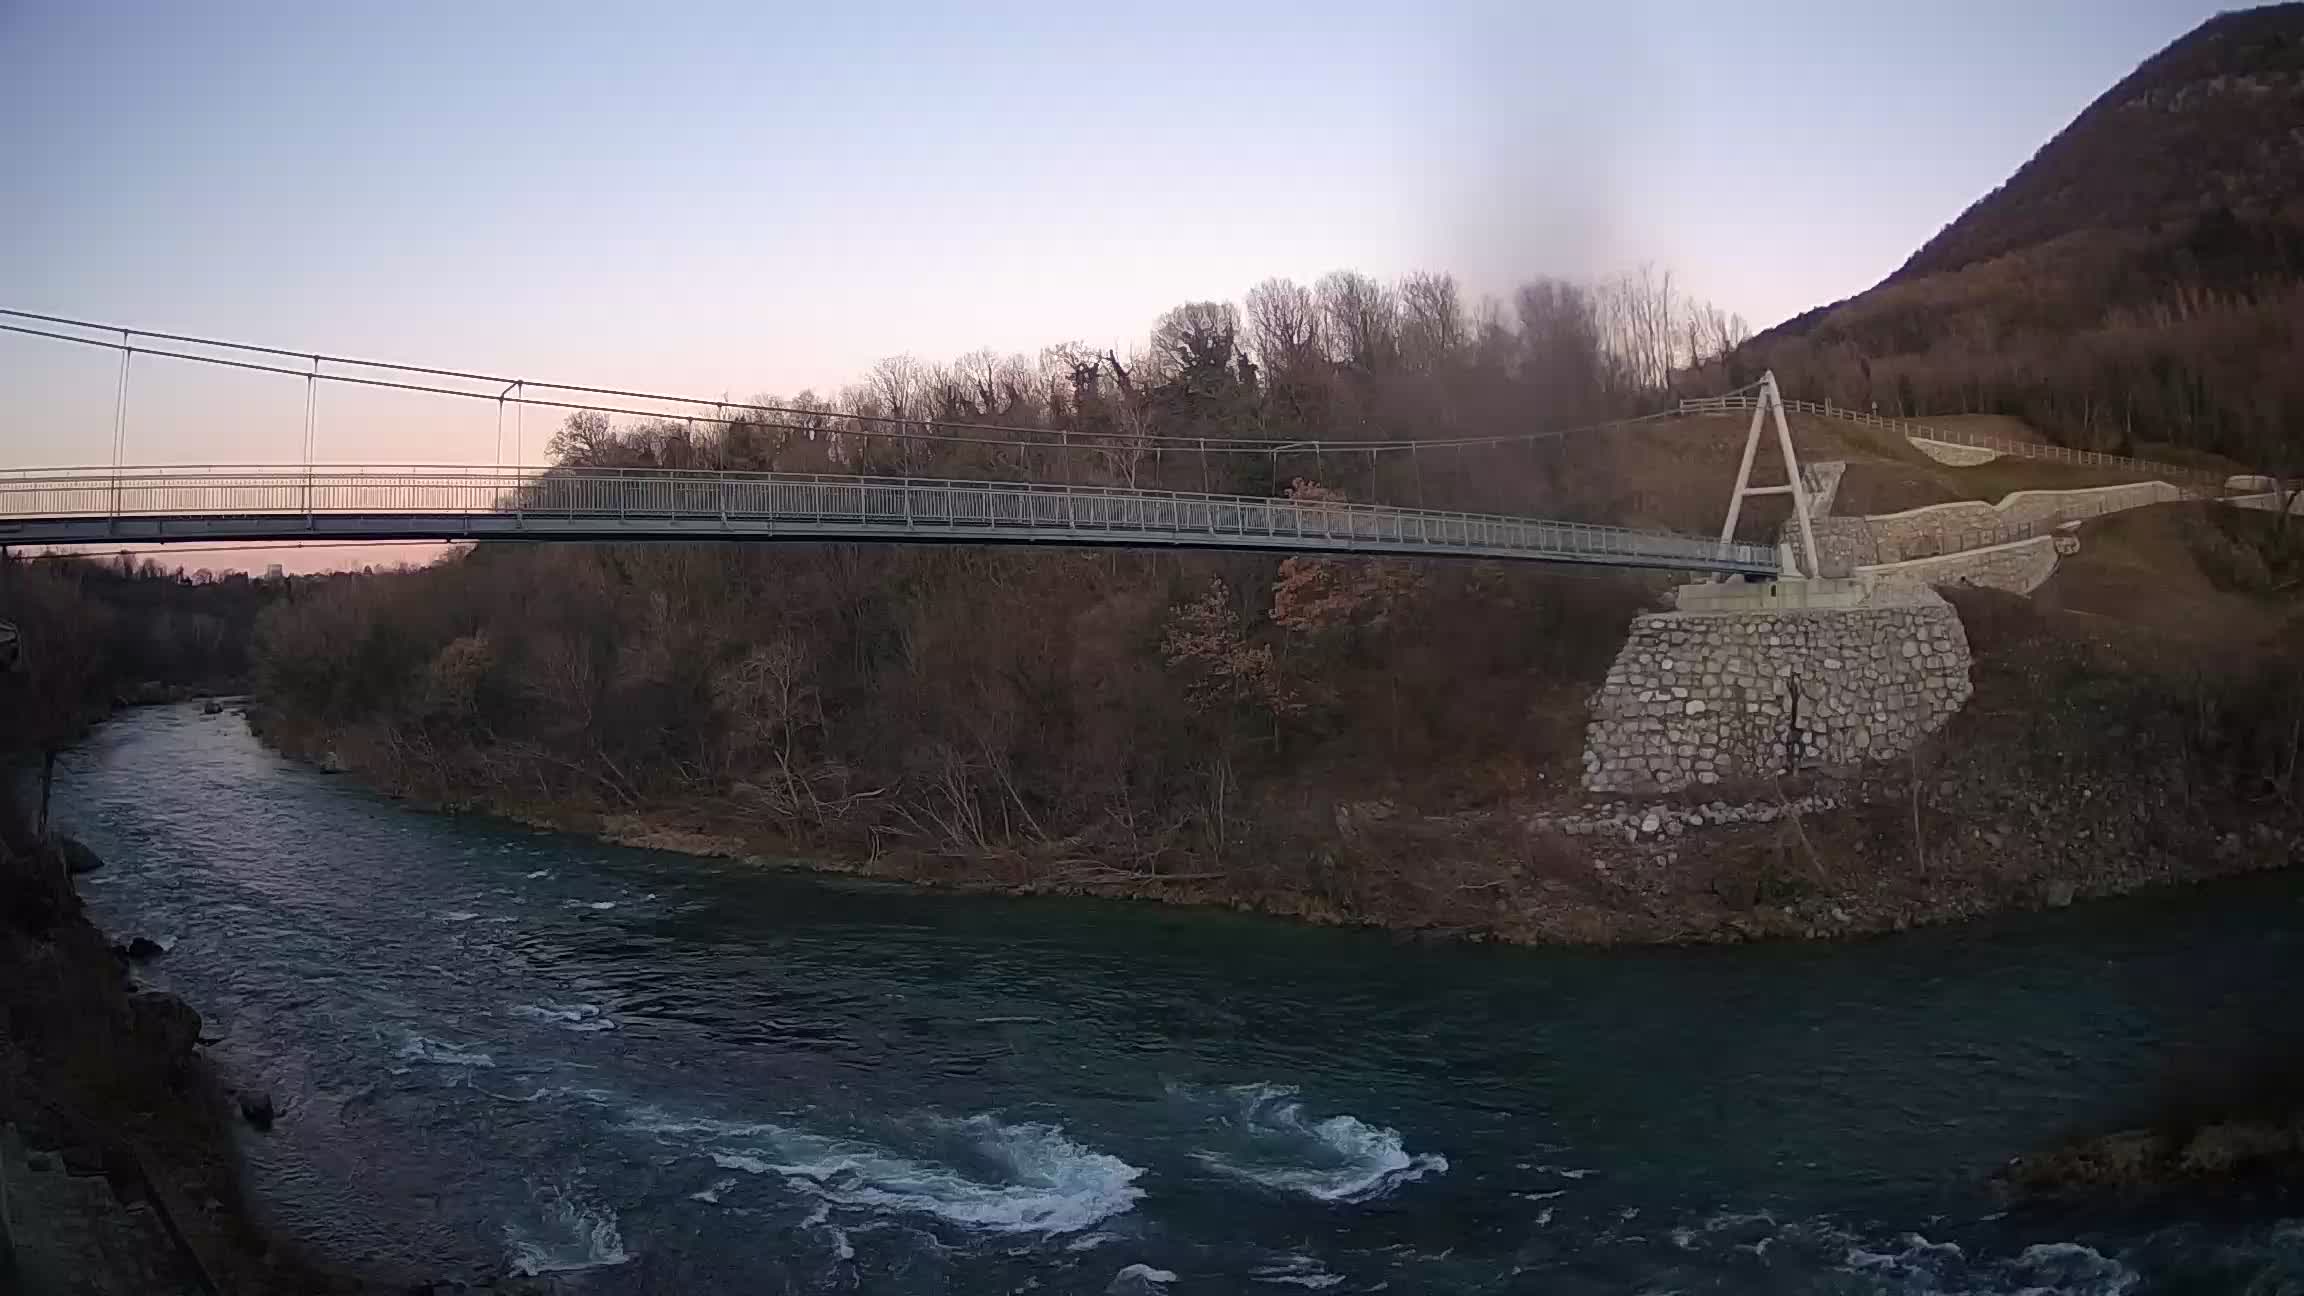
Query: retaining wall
(2019, 567)
(1970, 524)
(1697, 698)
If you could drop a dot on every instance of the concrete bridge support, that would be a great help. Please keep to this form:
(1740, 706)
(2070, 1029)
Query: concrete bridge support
(1749, 681)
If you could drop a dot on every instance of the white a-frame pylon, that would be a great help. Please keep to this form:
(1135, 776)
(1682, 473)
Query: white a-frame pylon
(1771, 402)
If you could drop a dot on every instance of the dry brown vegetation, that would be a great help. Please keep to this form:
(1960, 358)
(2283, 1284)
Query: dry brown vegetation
(2139, 281)
(1072, 711)
(93, 632)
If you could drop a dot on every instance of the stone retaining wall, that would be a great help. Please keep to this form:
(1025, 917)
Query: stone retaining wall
(1953, 453)
(1705, 697)
(1968, 524)
(1851, 544)
(1847, 543)
(2269, 502)
(2019, 567)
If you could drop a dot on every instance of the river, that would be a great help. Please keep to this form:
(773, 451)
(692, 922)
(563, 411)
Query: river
(499, 1050)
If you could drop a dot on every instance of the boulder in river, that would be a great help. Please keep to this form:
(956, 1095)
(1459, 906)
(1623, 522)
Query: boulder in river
(140, 948)
(78, 858)
(256, 1108)
(212, 707)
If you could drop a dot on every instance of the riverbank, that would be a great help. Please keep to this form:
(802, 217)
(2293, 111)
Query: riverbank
(119, 1165)
(2092, 761)
(105, 1087)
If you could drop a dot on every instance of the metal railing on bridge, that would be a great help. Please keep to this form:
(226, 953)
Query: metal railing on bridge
(237, 502)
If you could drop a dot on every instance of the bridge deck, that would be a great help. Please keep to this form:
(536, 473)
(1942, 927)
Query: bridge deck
(149, 505)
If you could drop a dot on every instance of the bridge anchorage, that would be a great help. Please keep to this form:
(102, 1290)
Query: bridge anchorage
(1746, 680)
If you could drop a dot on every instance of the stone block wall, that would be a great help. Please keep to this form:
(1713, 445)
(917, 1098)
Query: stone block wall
(1846, 541)
(1953, 453)
(1697, 698)
(2019, 567)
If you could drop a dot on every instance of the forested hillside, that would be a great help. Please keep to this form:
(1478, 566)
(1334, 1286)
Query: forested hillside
(1078, 713)
(2140, 281)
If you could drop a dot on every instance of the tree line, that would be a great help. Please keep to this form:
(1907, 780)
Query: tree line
(89, 634)
(1347, 359)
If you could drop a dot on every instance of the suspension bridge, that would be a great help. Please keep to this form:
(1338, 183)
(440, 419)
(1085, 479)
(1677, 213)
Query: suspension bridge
(124, 503)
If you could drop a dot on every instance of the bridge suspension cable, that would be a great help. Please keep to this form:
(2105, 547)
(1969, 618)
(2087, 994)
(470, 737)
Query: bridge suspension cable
(517, 392)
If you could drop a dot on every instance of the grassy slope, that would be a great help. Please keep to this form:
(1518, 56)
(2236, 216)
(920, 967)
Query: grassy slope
(1683, 468)
(2199, 574)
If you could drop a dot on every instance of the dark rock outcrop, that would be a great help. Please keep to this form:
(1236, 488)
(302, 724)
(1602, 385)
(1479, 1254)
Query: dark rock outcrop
(78, 858)
(168, 1026)
(256, 1108)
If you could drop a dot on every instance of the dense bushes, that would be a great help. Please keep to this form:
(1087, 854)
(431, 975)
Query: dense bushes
(92, 629)
(1120, 705)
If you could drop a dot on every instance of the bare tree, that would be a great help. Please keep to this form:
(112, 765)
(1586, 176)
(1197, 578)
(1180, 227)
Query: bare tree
(1638, 313)
(1283, 326)
(1434, 329)
(1196, 338)
(585, 439)
(1561, 351)
(1361, 320)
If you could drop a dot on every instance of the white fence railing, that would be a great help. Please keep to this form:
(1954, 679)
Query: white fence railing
(2192, 480)
(91, 505)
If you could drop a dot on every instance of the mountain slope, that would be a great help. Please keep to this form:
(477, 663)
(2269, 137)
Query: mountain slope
(2139, 281)
(2213, 122)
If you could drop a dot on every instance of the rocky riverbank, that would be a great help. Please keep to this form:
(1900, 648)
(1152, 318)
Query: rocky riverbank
(2221, 1123)
(117, 1157)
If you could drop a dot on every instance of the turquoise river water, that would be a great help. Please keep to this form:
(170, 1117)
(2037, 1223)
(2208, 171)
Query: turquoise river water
(501, 1050)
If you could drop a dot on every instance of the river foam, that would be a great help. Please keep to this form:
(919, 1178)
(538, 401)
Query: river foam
(581, 1017)
(973, 1171)
(1914, 1264)
(1275, 1145)
(418, 1048)
(1906, 1263)
(1140, 1280)
(1296, 1271)
(564, 1233)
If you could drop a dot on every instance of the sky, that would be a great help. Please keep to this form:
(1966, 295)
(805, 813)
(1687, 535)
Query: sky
(755, 198)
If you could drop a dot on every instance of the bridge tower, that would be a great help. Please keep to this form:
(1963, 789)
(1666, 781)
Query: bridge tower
(1804, 565)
